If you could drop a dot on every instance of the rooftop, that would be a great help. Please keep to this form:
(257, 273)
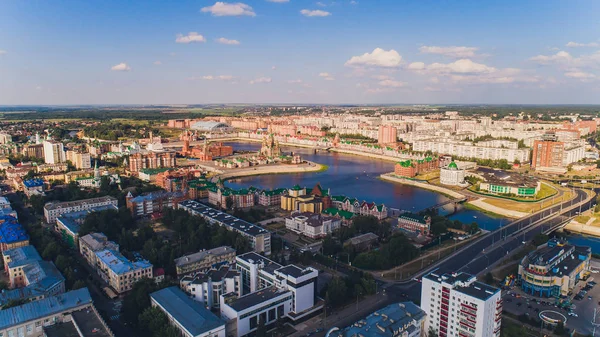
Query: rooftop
(362, 238)
(256, 298)
(191, 315)
(98, 241)
(33, 183)
(404, 316)
(157, 195)
(88, 322)
(253, 258)
(195, 257)
(73, 220)
(504, 178)
(466, 284)
(11, 231)
(56, 205)
(21, 256)
(118, 263)
(44, 307)
(223, 218)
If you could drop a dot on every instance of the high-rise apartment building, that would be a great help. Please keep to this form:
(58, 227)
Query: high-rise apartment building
(54, 152)
(81, 160)
(387, 134)
(547, 153)
(458, 305)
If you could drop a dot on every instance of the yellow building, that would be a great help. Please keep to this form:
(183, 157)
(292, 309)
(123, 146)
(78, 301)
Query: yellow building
(299, 199)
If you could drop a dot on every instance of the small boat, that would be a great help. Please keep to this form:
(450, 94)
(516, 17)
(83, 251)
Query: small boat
(475, 216)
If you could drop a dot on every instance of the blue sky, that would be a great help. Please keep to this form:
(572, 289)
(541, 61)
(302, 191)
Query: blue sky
(299, 51)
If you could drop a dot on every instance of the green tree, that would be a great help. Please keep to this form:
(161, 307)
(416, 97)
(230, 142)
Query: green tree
(489, 278)
(431, 333)
(540, 239)
(78, 284)
(336, 292)
(229, 203)
(261, 330)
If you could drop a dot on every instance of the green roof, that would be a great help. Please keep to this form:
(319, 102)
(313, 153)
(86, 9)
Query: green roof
(406, 163)
(296, 188)
(155, 170)
(341, 213)
(452, 165)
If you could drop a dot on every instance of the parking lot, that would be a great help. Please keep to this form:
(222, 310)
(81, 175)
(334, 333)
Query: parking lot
(579, 313)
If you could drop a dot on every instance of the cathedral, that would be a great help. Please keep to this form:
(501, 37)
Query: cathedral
(270, 147)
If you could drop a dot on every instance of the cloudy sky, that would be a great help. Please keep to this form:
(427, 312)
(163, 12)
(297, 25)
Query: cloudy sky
(299, 51)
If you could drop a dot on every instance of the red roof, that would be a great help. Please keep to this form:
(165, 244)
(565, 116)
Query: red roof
(158, 272)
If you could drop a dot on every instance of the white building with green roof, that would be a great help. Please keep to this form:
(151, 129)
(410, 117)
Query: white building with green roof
(452, 175)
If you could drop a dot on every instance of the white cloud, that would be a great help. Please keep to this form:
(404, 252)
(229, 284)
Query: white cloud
(379, 90)
(462, 66)
(392, 83)
(298, 81)
(223, 40)
(577, 44)
(229, 9)
(273, 67)
(377, 58)
(314, 13)
(354, 2)
(578, 74)
(327, 76)
(321, 4)
(3, 52)
(452, 51)
(157, 63)
(191, 37)
(278, 1)
(38, 88)
(416, 66)
(560, 57)
(121, 67)
(218, 77)
(261, 80)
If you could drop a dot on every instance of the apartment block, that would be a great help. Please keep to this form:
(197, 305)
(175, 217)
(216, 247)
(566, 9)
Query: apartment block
(208, 287)
(459, 305)
(204, 260)
(260, 238)
(53, 210)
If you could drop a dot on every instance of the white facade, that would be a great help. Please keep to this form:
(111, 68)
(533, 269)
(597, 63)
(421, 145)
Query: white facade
(458, 305)
(469, 150)
(270, 292)
(573, 154)
(208, 287)
(312, 225)
(54, 210)
(452, 175)
(54, 152)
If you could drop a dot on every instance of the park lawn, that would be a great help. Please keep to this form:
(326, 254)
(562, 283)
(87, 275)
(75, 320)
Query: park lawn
(428, 176)
(546, 191)
(582, 219)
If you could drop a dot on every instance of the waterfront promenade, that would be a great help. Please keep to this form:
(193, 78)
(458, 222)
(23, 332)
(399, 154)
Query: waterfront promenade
(272, 169)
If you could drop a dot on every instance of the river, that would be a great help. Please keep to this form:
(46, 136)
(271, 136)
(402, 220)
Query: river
(358, 177)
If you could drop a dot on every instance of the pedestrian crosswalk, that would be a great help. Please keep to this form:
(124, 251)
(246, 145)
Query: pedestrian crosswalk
(115, 317)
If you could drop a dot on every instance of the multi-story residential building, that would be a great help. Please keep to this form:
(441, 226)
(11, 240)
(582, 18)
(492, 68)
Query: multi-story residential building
(547, 154)
(68, 314)
(208, 287)
(410, 168)
(44, 168)
(355, 206)
(312, 225)
(120, 273)
(404, 319)
(301, 199)
(271, 197)
(275, 292)
(81, 160)
(52, 210)
(31, 278)
(6, 209)
(242, 198)
(573, 153)
(459, 305)
(415, 223)
(553, 270)
(54, 152)
(12, 234)
(5, 138)
(33, 187)
(204, 260)
(151, 160)
(191, 318)
(152, 203)
(387, 134)
(33, 150)
(471, 150)
(14, 259)
(260, 238)
(94, 242)
(68, 224)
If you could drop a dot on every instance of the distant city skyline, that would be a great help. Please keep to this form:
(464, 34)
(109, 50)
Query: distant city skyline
(296, 51)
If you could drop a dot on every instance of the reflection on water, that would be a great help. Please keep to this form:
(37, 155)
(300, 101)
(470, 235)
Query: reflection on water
(585, 240)
(357, 177)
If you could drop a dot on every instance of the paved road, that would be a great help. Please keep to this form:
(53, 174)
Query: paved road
(477, 256)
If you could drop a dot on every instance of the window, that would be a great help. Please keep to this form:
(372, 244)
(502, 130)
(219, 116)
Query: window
(253, 322)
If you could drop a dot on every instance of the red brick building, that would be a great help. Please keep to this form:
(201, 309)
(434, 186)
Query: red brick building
(410, 168)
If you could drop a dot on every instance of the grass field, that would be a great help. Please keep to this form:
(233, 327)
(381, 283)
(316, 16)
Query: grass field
(583, 219)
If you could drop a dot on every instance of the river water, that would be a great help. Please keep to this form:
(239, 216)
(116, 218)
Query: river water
(355, 176)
